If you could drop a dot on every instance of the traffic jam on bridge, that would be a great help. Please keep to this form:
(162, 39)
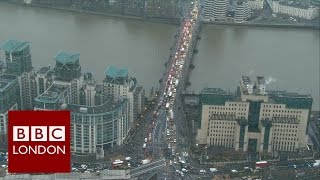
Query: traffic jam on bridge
(167, 99)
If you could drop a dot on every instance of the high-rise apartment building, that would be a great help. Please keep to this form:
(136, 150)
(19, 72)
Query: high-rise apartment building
(19, 63)
(120, 85)
(67, 71)
(9, 99)
(254, 120)
(215, 9)
(242, 12)
(43, 79)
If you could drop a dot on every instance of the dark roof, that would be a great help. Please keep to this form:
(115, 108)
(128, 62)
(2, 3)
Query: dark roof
(229, 117)
(292, 100)
(215, 96)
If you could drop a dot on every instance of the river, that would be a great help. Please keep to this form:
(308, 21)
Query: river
(289, 57)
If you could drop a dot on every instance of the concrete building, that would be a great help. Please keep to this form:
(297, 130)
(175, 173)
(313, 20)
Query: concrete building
(208, 9)
(242, 12)
(102, 126)
(215, 9)
(68, 72)
(88, 91)
(254, 120)
(305, 9)
(18, 62)
(256, 4)
(9, 99)
(120, 85)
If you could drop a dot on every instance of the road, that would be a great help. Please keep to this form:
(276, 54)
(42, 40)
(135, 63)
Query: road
(143, 169)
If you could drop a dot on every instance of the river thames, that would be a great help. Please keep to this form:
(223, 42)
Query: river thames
(288, 57)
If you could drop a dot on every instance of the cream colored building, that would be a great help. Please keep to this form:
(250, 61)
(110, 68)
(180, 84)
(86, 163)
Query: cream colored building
(297, 8)
(256, 4)
(254, 120)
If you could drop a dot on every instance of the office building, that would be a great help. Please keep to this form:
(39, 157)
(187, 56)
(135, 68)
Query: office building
(102, 126)
(120, 85)
(253, 119)
(242, 12)
(9, 99)
(68, 72)
(18, 62)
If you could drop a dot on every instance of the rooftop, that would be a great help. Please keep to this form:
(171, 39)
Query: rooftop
(246, 80)
(13, 45)
(116, 72)
(43, 70)
(291, 100)
(64, 57)
(51, 95)
(303, 4)
(215, 96)
(290, 120)
(6, 80)
(261, 80)
(229, 117)
(109, 106)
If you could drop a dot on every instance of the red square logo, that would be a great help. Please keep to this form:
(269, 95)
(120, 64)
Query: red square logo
(39, 142)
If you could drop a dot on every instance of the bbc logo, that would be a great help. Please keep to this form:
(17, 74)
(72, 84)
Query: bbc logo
(38, 133)
(40, 137)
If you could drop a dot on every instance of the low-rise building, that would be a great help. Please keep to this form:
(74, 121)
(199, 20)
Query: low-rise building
(254, 119)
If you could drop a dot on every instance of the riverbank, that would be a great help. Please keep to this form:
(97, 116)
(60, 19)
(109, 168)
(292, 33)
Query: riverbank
(173, 21)
(296, 26)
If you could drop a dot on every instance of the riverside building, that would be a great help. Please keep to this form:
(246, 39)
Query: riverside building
(254, 119)
(19, 63)
(103, 126)
(215, 9)
(120, 85)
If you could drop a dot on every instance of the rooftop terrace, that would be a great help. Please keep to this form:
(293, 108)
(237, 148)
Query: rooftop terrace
(64, 57)
(115, 72)
(13, 45)
(109, 106)
(51, 95)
